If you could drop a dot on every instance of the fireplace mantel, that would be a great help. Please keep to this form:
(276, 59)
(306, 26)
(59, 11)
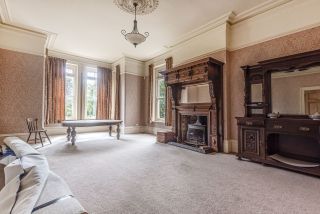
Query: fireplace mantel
(209, 71)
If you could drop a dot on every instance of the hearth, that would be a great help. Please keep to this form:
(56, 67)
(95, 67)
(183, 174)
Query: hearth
(194, 133)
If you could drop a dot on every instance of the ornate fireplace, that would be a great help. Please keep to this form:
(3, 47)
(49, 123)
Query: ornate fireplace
(197, 126)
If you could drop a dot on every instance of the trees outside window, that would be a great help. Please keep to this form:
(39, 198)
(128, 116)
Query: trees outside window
(91, 93)
(160, 94)
(70, 92)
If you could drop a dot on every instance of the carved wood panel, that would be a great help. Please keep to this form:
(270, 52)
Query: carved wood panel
(251, 141)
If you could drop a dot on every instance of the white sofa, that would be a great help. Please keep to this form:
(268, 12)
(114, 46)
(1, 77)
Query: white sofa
(30, 186)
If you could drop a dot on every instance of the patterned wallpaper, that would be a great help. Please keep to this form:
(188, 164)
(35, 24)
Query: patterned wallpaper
(300, 42)
(21, 90)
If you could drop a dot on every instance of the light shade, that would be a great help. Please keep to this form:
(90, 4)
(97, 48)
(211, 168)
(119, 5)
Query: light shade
(135, 37)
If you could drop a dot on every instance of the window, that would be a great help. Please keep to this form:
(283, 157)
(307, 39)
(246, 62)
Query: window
(160, 92)
(80, 92)
(70, 92)
(90, 93)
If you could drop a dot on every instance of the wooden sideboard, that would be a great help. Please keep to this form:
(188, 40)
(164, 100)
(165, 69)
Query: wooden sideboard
(293, 136)
(260, 137)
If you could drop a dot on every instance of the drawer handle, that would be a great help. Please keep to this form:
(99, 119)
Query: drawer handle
(304, 129)
(249, 123)
(277, 127)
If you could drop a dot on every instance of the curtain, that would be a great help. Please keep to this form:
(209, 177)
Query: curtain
(104, 87)
(168, 117)
(54, 90)
(117, 94)
(150, 92)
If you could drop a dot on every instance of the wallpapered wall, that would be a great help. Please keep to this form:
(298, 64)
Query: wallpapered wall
(21, 90)
(303, 41)
(134, 107)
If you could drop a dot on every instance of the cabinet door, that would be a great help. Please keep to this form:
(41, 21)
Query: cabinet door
(251, 142)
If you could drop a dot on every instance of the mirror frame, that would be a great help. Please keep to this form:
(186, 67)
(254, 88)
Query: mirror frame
(261, 73)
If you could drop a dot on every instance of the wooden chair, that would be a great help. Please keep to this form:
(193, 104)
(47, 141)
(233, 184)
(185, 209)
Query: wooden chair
(33, 128)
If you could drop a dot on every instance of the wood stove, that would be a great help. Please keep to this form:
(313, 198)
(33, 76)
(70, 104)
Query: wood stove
(196, 134)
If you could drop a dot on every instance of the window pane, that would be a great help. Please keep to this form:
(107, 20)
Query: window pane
(161, 88)
(92, 74)
(161, 108)
(69, 98)
(69, 71)
(91, 99)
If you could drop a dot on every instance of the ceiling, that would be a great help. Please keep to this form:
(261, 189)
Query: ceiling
(91, 28)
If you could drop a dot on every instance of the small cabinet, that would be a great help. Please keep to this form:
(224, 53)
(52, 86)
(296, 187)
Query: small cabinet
(251, 138)
(252, 143)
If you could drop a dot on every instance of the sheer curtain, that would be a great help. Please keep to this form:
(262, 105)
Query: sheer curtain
(104, 87)
(55, 90)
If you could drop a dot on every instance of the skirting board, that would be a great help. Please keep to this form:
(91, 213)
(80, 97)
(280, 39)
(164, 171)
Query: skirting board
(230, 145)
(154, 130)
(133, 129)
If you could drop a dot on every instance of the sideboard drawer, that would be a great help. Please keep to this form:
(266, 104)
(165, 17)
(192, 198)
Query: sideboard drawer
(294, 128)
(251, 122)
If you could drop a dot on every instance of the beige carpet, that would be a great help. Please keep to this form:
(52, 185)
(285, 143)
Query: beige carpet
(137, 175)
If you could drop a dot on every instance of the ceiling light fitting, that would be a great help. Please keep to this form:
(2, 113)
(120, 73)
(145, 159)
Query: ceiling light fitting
(136, 7)
(135, 37)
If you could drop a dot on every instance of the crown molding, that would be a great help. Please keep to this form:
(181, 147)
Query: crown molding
(4, 12)
(76, 58)
(23, 30)
(22, 40)
(261, 8)
(202, 29)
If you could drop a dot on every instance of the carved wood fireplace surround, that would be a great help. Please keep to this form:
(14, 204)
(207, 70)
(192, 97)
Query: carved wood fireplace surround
(204, 71)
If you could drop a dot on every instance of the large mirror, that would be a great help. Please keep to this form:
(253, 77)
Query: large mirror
(256, 93)
(195, 94)
(296, 92)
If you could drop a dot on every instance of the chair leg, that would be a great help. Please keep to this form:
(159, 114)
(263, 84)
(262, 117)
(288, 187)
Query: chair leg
(35, 138)
(40, 138)
(47, 137)
(28, 137)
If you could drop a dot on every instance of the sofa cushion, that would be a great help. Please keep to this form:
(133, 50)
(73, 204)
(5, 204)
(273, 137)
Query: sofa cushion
(12, 170)
(32, 183)
(19, 147)
(8, 195)
(54, 188)
(8, 159)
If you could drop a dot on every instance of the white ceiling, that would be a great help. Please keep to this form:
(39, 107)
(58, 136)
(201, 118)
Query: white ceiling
(91, 28)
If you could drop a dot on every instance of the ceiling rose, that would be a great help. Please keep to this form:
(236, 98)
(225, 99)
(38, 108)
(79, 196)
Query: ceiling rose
(143, 6)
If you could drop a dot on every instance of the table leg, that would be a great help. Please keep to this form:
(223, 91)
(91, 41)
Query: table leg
(110, 130)
(68, 133)
(73, 135)
(118, 131)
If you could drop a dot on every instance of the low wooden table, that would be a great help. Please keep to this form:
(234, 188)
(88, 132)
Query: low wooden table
(72, 124)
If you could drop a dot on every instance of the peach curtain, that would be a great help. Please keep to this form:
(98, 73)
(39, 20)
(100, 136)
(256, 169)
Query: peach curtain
(55, 90)
(117, 94)
(168, 116)
(104, 87)
(151, 67)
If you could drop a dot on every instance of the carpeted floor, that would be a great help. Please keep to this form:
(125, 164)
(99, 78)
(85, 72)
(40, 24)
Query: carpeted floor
(137, 175)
